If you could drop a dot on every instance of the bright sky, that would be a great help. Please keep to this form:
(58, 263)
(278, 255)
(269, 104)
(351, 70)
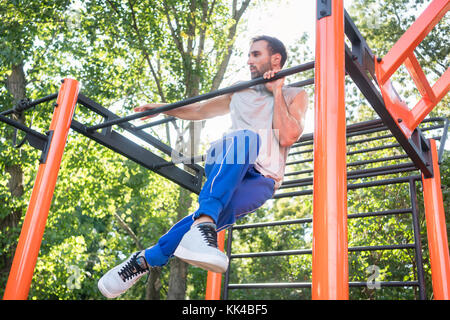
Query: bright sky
(285, 20)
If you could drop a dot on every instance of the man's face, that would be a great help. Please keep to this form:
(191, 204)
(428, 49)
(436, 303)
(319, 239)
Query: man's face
(259, 59)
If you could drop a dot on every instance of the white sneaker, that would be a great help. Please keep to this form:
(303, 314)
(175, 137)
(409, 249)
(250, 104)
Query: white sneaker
(198, 247)
(123, 276)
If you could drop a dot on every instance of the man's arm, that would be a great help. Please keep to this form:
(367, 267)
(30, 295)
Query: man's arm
(288, 120)
(196, 111)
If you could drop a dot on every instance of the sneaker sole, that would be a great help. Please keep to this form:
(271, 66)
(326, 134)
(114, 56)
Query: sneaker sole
(203, 261)
(105, 292)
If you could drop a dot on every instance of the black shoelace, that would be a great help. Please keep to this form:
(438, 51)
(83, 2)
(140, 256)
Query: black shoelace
(209, 234)
(132, 268)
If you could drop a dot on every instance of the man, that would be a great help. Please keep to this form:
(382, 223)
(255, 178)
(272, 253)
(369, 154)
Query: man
(243, 169)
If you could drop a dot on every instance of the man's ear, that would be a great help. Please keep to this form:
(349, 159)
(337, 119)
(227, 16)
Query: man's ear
(275, 59)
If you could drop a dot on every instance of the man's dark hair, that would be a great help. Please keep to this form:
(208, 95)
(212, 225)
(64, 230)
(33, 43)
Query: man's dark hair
(274, 45)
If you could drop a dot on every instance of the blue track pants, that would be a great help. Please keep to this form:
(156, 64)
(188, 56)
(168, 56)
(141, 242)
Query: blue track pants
(233, 188)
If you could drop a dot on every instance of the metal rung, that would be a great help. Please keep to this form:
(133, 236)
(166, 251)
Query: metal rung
(294, 285)
(309, 251)
(309, 220)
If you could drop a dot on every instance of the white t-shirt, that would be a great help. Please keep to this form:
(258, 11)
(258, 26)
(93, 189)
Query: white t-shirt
(252, 109)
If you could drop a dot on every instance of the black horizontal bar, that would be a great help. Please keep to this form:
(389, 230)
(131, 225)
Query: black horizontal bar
(309, 251)
(294, 173)
(384, 182)
(209, 95)
(363, 162)
(352, 142)
(309, 220)
(384, 172)
(272, 224)
(352, 175)
(300, 152)
(379, 213)
(155, 123)
(355, 174)
(270, 254)
(292, 194)
(133, 151)
(386, 283)
(23, 127)
(299, 161)
(375, 124)
(351, 186)
(362, 174)
(388, 146)
(349, 153)
(361, 128)
(302, 83)
(107, 114)
(278, 285)
(31, 104)
(369, 139)
(293, 285)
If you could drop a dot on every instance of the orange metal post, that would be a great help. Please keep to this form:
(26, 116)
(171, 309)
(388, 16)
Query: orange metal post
(437, 230)
(330, 244)
(214, 279)
(30, 239)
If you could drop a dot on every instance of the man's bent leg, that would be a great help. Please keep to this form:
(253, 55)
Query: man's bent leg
(226, 167)
(162, 251)
(123, 276)
(251, 194)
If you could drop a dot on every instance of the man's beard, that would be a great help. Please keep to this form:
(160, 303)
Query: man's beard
(259, 73)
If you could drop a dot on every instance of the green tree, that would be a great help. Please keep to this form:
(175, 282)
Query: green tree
(124, 53)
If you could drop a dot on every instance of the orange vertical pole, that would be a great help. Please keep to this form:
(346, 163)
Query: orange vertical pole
(214, 279)
(30, 239)
(330, 252)
(437, 230)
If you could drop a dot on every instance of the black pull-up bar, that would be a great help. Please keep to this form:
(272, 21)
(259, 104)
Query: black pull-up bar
(209, 95)
(26, 104)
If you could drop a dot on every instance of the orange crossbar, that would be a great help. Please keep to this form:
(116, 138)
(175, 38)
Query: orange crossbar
(425, 105)
(214, 279)
(403, 52)
(405, 46)
(330, 244)
(30, 239)
(417, 74)
(437, 230)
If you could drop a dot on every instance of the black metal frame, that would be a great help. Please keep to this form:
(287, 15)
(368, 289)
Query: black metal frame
(353, 131)
(359, 62)
(191, 178)
(126, 147)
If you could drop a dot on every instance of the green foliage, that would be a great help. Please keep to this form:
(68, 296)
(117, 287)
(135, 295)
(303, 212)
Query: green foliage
(123, 54)
(127, 54)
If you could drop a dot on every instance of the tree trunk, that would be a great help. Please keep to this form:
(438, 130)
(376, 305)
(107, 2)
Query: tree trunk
(178, 268)
(15, 84)
(154, 285)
